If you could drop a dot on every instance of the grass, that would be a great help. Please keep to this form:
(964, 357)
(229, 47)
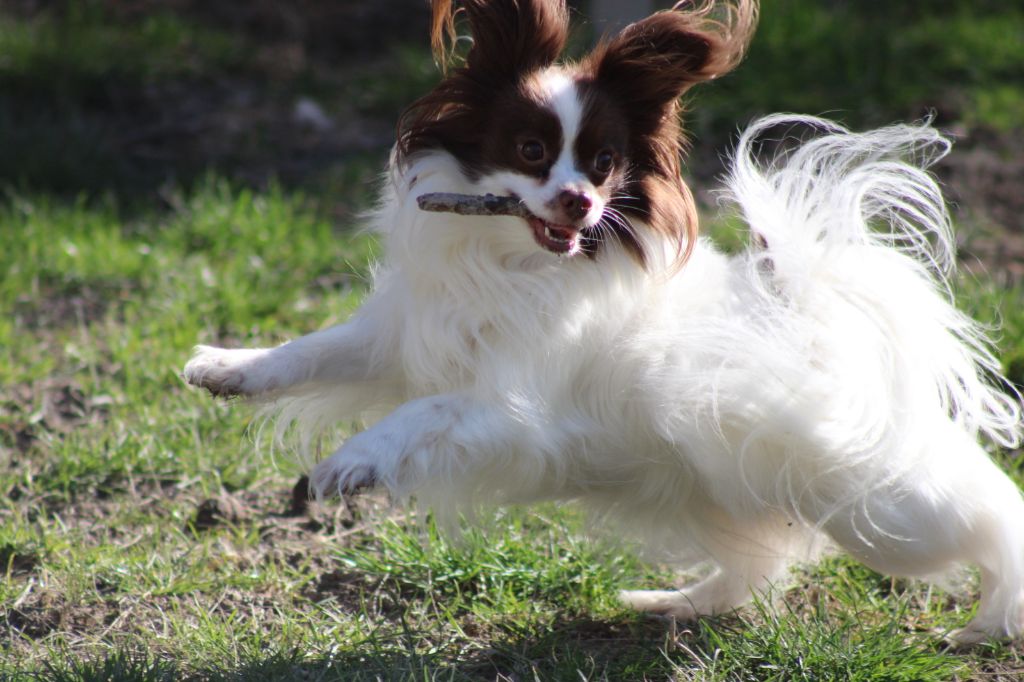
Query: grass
(81, 48)
(104, 97)
(143, 536)
(871, 67)
(109, 573)
(65, 69)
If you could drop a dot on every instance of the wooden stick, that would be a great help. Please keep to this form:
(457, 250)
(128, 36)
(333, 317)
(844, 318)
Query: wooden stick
(470, 204)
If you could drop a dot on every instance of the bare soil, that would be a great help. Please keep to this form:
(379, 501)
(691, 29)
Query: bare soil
(303, 539)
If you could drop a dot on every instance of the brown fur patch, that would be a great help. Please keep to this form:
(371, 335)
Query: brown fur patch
(648, 66)
(630, 86)
(511, 39)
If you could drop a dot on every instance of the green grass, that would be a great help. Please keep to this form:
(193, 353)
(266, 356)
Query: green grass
(108, 568)
(107, 574)
(111, 307)
(83, 46)
(873, 66)
(103, 97)
(77, 81)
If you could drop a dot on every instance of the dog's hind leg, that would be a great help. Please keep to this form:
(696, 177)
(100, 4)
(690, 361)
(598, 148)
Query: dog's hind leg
(723, 591)
(956, 507)
(751, 559)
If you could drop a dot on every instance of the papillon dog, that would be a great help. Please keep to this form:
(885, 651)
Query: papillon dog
(731, 411)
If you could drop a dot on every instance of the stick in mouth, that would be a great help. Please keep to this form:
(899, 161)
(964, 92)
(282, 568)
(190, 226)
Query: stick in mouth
(471, 204)
(560, 239)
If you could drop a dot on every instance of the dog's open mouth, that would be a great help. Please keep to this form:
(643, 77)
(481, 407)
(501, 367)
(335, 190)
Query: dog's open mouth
(561, 239)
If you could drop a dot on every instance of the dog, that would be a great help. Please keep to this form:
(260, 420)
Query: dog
(727, 410)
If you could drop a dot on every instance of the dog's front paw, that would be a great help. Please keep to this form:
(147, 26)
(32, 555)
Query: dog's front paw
(225, 373)
(401, 452)
(376, 457)
(342, 475)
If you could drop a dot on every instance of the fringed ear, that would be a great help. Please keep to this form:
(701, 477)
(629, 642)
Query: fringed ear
(647, 67)
(654, 61)
(442, 32)
(510, 37)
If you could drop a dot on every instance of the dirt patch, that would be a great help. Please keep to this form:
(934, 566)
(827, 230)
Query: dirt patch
(236, 125)
(105, 610)
(268, 508)
(218, 511)
(984, 178)
(57, 309)
(346, 587)
(56, 405)
(18, 559)
(65, 406)
(45, 611)
(1008, 670)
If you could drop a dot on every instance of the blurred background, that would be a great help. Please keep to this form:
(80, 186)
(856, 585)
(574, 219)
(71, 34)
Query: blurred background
(126, 96)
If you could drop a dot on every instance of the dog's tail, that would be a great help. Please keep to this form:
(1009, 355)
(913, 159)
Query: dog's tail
(851, 244)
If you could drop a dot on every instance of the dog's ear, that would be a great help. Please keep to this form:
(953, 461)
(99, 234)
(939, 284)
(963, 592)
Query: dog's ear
(510, 37)
(653, 62)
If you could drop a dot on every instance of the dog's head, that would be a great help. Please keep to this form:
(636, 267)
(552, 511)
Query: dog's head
(592, 148)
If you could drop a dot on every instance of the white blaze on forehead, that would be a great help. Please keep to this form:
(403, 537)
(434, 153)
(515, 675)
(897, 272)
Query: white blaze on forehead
(555, 90)
(559, 93)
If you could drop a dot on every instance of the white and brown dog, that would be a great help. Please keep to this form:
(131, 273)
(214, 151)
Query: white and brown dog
(729, 410)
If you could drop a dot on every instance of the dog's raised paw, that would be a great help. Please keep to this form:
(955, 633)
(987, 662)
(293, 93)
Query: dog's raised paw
(221, 371)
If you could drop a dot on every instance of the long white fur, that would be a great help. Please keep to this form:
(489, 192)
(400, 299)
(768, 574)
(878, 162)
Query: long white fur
(730, 414)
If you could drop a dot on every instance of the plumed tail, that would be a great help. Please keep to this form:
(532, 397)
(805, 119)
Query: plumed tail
(851, 236)
(846, 188)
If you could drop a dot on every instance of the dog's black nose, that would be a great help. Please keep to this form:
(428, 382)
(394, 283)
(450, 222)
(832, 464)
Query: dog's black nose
(574, 204)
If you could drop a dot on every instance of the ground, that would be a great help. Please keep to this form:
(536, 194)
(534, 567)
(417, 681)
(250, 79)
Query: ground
(183, 172)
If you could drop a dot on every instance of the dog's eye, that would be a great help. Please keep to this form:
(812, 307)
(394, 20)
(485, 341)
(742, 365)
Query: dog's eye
(604, 161)
(532, 151)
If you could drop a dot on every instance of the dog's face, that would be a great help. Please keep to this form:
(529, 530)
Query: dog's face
(591, 148)
(559, 150)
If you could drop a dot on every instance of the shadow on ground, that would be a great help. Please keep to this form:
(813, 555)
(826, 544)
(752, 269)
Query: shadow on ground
(126, 97)
(573, 648)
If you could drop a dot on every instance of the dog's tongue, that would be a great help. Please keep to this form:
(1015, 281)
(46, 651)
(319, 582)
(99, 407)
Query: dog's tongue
(560, 239)
(561, 232)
